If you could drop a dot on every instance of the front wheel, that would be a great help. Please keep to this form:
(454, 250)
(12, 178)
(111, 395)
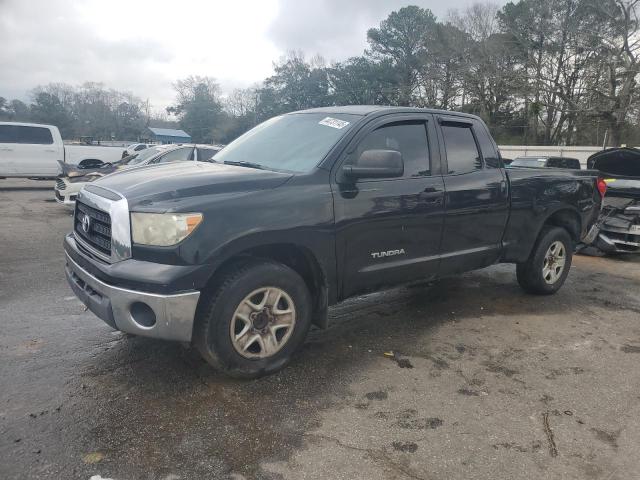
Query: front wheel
(254, 321)
(549, 262)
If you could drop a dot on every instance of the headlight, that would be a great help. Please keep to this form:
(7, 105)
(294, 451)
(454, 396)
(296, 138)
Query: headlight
(163, 229)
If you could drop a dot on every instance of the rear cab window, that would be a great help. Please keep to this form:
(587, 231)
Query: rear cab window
(25, 134)
(462, 151)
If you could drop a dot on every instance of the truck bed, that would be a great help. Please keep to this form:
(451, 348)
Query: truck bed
(538, 192)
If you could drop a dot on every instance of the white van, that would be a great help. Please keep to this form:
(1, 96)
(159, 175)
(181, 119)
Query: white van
(30, 150)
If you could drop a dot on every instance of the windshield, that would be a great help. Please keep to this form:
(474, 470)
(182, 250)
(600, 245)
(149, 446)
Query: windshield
(144, 155)
(294, 143)
(528, 162)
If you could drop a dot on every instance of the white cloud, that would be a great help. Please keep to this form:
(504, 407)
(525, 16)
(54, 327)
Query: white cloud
(337, 29)
(142, 46)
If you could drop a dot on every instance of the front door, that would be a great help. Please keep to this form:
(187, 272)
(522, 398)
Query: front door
(388, 230)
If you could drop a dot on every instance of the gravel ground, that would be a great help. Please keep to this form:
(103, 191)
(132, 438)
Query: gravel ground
(479, 380)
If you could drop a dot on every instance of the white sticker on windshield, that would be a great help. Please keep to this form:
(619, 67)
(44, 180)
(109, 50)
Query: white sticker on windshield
(333, 123)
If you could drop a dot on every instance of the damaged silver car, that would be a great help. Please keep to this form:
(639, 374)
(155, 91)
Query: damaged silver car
(620, 217)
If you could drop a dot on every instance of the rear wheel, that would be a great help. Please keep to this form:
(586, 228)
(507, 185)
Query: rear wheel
(254, 321)
(548, 265)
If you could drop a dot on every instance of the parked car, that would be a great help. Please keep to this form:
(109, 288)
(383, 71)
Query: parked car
(135, 147)
(72, 179)
(241, 255)
(546, 162)
(30, 150)
(620, 217)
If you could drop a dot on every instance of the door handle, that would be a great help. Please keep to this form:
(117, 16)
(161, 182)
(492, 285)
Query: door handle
(49, 150)
(431, 198)
(5, 149)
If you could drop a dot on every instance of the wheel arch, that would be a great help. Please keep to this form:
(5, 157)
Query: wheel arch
(297, 257)
(566, 218)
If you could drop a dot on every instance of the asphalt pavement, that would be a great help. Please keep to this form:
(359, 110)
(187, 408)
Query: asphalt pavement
(464, 378)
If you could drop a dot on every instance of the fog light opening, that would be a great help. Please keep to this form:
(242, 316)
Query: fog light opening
(142, 314)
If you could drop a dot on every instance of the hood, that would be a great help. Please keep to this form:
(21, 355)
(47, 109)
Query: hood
(616, 162)
(149, 185)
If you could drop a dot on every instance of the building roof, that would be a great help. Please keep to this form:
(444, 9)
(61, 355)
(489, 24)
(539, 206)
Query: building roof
(169, 132)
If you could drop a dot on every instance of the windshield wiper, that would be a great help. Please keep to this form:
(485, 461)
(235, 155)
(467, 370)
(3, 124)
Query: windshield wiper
(244, 164)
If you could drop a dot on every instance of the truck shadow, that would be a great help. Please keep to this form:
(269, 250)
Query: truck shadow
(141, 384)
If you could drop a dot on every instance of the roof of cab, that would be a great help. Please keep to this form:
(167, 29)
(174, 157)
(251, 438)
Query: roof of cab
(28, 124)
(364, 110)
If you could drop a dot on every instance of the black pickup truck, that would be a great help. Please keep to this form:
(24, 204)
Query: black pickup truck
(242, 255)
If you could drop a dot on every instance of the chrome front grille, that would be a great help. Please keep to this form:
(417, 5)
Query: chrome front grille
(93, 226)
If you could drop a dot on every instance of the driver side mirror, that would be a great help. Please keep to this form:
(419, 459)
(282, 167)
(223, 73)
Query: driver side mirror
(376, 164)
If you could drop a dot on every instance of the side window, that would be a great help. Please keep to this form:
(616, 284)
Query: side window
(555, 163)
(462, 152)
(24, 134)
(487, 147)
(408, 138)
(142, 146)
(205, 154)
(177, 155)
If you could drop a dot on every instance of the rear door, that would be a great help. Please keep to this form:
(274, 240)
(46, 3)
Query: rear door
(29, 151)
(388, 230)
(476, 198)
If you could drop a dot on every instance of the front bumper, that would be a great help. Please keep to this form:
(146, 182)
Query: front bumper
(169, 317)
(66, 192)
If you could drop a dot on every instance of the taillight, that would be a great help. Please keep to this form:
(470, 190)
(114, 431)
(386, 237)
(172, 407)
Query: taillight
(602, 187)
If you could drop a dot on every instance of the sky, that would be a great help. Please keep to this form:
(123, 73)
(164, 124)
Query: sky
(142, 46)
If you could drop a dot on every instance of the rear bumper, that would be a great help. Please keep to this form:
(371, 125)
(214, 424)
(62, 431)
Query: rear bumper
(169, 317)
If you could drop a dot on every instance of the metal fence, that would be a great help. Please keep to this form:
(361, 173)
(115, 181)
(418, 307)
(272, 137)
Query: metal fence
(581, 153)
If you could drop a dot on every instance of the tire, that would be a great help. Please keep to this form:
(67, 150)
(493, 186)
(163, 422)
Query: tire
(538, 275)
(228, 308)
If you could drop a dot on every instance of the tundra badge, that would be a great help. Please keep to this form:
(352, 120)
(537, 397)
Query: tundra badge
(388, 253)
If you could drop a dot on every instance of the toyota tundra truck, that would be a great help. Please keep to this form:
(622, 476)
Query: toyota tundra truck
(242, 255)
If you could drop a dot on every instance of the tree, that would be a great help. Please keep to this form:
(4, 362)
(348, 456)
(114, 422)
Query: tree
(19, 111)
(47, 108)
(199, 108)
(442, 76)
(295, 85)
(241, 109)
(403, 39)
(4, 108)
(359, 81)
(489, 67)
(614, 87)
